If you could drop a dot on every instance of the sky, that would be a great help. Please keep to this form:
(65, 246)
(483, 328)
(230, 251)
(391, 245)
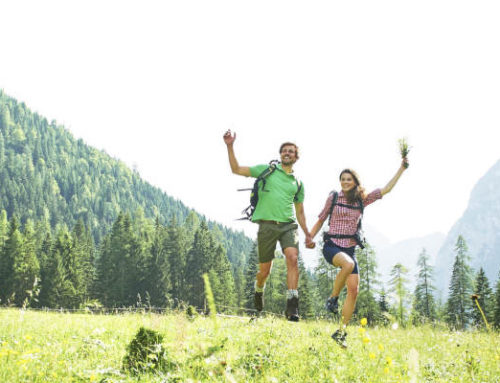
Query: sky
(157, 83)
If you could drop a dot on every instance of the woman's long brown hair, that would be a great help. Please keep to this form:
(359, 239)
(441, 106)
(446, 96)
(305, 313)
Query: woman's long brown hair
(357, 192)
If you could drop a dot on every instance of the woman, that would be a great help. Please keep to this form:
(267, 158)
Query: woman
(342, 238)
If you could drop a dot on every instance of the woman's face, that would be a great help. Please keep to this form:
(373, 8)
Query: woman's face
(347, 182)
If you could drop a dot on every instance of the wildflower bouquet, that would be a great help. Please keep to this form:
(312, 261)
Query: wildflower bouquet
(404, 149)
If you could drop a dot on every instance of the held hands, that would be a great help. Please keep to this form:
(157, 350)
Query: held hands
(228, 138)
(310, 244)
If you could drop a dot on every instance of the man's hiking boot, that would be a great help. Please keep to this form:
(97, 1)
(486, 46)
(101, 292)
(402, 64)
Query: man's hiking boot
(292, 309)
(332, 305)
(258, 301)
(340, 336)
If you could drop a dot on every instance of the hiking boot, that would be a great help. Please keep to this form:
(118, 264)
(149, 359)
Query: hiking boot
(332, 305)
(258, 301)
(340, 337)
(292, 309)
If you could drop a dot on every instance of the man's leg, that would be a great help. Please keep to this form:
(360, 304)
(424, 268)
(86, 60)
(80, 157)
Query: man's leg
(292, 267)
(292, 279)
(260, 283)
(267, 237)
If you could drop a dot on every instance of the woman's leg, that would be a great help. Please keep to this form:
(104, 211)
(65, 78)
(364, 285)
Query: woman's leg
(350, 302)
(346, 264)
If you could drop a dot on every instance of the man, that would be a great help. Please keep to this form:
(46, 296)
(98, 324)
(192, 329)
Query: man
(274, 214)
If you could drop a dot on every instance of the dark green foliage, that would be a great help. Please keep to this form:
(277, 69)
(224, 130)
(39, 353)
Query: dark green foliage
(424, 305)
(398, 284)
(459, 304)
(496, 314)
(145, 353)
(366, 304)
(485, 299)
(251, 269)
(306, 292)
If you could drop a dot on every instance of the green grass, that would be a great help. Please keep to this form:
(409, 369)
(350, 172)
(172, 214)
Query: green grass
(59, 347)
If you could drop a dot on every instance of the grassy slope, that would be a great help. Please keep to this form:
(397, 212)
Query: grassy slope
(58, 347)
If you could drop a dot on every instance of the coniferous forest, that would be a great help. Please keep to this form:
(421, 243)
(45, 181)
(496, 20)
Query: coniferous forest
(80, 229)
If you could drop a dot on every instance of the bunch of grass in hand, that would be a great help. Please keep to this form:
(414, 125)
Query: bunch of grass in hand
(404, 149)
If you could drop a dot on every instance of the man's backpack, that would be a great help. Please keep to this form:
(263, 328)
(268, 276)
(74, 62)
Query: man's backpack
(358, 236)
(254, 191)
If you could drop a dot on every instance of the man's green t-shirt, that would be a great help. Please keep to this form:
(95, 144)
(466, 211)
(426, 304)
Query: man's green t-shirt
(276, 204)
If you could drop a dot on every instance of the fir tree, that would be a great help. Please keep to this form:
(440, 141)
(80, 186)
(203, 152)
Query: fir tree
(10, 255)
(177, 247)
(306, 293)
(223, 282)
(399, 288)
(424, 305)
(459, 304)
(158, 280)
(496, 315)
(485, 299)
(251, 269)
(366, 305)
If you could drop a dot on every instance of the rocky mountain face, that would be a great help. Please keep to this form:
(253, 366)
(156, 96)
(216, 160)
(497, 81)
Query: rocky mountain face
(480, 227)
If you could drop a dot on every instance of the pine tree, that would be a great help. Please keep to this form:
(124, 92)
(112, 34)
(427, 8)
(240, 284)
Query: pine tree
(57, 290)
(10, 255)
(199, 261)
(306, 293)
(251, 269)
(276, 286)
(222, 281)
(485, 299)
(26, 269)
(424, 305)
(399, 288)
(459, 304)
(366, 305)
(177, 247)
(158, 280)
(496, 315)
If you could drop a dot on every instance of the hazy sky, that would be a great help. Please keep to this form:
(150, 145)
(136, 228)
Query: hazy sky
(156, 84)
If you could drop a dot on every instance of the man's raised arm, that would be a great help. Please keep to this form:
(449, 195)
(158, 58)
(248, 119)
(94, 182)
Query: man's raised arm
(235, 167)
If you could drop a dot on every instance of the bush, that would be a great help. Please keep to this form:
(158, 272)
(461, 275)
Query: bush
(145, 353)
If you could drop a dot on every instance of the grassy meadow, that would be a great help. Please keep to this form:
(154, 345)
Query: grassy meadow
(63, 347)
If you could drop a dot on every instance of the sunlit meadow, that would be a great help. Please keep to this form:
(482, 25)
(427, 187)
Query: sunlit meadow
(64, 347)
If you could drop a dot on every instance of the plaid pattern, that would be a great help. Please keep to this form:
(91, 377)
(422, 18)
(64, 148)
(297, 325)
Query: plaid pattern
(344, 220)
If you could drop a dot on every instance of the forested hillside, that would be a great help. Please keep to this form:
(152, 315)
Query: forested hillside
(48, 175)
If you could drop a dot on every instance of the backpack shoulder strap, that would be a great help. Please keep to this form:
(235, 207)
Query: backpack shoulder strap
(299, 188)
(335, 196)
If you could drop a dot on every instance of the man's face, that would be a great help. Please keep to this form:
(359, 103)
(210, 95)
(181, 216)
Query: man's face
(288, 155)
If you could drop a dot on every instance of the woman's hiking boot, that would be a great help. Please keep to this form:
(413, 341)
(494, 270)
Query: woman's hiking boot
(332, 305)
(292, 309)
(340, 336)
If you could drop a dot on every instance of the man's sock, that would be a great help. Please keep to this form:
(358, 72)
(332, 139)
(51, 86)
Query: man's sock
(291, 294)
(259, 289)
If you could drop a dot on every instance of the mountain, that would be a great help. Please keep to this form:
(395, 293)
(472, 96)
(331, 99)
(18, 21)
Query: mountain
(405, 252)
(46, 175)
(480, 227)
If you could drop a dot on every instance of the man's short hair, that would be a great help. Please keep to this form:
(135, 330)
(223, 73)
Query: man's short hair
(290, 144)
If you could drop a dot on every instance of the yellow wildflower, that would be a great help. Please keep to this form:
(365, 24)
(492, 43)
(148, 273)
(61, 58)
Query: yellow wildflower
(386, 370)
(366, 340)
(363, 321)
(371, 355)
(361, 330)
(389, 361)
(381, 347)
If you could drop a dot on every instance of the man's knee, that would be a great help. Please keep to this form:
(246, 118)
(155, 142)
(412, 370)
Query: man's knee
(292, 256)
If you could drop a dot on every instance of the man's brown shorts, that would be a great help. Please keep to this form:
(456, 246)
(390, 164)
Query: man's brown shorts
(270, 233)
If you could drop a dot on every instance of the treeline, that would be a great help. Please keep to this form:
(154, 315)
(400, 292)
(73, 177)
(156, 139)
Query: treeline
(139, 260)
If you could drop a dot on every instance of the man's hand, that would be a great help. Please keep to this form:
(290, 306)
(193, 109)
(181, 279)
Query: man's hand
(228, 138)
(310, 244)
